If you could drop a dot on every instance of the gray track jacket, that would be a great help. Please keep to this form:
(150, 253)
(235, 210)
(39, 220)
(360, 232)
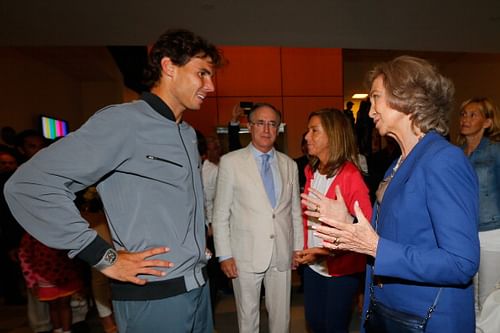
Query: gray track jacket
(148, 173)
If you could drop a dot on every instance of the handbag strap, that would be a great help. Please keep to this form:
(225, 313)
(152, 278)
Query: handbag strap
(372, 291)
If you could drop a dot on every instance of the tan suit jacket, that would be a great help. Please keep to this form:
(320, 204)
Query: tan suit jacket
(245, 225)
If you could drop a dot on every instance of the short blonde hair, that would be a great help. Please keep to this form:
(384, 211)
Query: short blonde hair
(490, 111)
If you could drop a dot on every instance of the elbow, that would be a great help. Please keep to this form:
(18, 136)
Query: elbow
(9, 188)
(466, 269)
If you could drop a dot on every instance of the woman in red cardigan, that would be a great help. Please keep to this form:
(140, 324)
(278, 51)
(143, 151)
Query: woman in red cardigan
(331, 278)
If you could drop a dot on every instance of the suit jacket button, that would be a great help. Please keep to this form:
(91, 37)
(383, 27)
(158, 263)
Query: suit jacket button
(274, 216)
(272, 236)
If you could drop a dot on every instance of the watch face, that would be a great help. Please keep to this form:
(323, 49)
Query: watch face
(110, 256)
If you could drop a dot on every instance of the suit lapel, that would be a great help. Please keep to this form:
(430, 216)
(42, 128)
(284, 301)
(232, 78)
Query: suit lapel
(252, 171)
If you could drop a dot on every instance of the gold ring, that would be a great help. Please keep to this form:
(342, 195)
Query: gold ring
(317, 208)
(336, 241)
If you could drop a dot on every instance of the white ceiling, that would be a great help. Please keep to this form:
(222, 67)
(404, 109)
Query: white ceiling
(428, 25)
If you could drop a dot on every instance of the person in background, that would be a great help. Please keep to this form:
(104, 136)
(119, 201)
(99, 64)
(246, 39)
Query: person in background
(53, 278)
(479, 137)
(8, 140)
(302, 162)
(90, 206)
(349, 113)
(148, 177)
(257, 222)
(8, 162)
(29, 142)
(331, 278)
(423, 241)
(364, 128)
(11, 279)
(209, 171)
(233, 128)
(379, 161)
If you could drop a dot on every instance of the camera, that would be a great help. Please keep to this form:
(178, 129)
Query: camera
(246, 106)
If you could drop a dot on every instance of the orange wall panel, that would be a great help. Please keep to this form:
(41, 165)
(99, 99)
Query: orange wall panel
(204, 119)
(250, 71)
(312, 72)
(226, 104)
(297, 110)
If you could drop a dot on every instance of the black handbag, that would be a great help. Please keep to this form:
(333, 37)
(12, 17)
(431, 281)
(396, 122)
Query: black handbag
(382, 319)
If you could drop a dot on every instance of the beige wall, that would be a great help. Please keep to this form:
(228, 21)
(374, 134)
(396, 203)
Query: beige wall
(472, 74)
(30, 87)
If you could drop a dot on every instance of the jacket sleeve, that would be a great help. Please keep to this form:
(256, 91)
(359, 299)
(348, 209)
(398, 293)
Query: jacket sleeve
(451, 192)
(40, 194)
(298, 229)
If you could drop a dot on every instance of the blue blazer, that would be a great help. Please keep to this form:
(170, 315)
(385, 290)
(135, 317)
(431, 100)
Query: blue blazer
(428, 227)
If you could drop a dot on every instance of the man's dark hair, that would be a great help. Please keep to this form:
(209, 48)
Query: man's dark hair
(180, 46)
(26, 134)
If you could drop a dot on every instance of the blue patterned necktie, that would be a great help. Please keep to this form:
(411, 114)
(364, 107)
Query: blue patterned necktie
(267, 178)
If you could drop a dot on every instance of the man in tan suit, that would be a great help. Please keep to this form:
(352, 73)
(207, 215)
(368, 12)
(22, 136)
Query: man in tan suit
(257, 222)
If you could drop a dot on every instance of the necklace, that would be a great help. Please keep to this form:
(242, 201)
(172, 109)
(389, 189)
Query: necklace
(384, 183)
(396, 167)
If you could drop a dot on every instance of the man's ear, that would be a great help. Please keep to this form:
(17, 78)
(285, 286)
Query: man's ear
(167, 67)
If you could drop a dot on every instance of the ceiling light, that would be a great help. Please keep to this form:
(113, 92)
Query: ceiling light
(359, 96)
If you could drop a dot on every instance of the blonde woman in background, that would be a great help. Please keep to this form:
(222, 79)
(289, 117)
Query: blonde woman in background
(479, 138)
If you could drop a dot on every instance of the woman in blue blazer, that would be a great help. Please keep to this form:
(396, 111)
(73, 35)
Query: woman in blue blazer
(423, 240)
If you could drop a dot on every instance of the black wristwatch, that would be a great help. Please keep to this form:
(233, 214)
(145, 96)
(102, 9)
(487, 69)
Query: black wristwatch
(107, 260)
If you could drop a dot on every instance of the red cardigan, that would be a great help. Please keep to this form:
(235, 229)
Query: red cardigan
(353, 188)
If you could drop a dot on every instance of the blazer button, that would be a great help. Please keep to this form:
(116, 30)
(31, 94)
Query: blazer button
(274, 216)
(272, 236)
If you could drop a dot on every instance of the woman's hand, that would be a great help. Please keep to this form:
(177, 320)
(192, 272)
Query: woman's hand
(359, 237)
(319, 206)
(311, 255)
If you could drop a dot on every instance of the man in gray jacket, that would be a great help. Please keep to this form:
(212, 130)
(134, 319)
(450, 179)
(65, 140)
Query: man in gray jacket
(144, 159)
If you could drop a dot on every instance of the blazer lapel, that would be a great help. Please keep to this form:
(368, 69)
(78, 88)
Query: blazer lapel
(406, 168)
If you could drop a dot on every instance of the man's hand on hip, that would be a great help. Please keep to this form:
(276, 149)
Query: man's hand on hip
(130, 264)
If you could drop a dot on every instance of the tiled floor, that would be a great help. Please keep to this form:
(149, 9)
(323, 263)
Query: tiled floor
(13, 318)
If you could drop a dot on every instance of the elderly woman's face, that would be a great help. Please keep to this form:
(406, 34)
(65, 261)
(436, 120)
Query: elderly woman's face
(387, 120)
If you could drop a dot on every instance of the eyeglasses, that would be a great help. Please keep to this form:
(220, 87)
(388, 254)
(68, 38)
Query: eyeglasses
(262, 124)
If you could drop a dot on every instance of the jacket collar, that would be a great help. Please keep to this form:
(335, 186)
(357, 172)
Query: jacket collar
(406, 168)
(158, 105)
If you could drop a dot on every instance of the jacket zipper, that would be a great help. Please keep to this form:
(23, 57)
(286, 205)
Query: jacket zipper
(151, 157)
(195, 205)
